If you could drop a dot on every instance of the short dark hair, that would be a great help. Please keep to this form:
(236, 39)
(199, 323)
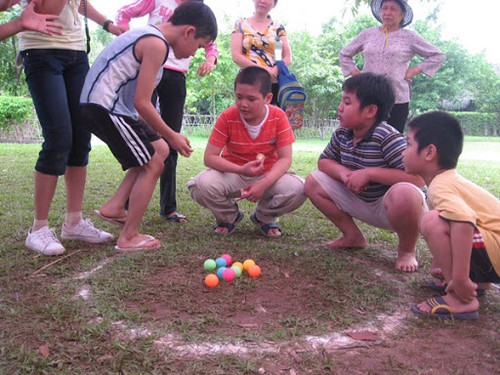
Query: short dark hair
(255, 75)
(371, 89)
(197, 14)
(441, 130)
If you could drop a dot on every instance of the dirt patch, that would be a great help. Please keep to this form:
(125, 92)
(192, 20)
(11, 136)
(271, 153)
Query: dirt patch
(279, 322)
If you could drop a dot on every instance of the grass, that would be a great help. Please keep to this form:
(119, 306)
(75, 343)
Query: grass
(304, 290)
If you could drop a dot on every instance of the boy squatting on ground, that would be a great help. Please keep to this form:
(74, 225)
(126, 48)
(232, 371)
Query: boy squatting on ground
(243, 131)
(361, 173)
(462, 227)
(116, 104)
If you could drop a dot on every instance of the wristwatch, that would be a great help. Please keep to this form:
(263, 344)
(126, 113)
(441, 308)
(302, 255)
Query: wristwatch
(105, 26)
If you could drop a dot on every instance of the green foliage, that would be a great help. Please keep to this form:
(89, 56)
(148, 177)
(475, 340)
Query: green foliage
(475, 123)
(213, 93)
(14, 110)
(463, 76)
(11, 80)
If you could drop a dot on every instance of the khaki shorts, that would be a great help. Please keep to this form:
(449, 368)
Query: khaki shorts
(372, 213)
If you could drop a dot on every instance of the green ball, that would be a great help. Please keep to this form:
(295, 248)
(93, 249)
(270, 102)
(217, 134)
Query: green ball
(237, 270)
(209, 265)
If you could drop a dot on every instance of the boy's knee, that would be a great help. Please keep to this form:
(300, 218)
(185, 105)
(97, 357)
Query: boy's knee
(310, 186)
(431, 222)
(163, 150)
(404, 196)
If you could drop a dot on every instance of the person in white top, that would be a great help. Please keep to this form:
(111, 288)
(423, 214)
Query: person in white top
(55, 68)
(28, 20)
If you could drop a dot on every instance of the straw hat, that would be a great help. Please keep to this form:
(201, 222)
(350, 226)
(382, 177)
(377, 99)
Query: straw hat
(408, 12)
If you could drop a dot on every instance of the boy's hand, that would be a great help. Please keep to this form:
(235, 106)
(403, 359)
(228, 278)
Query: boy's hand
(205, 68)
(465, 291)
(357, 180)
(254, 191)
(252, 168)
(180, 143)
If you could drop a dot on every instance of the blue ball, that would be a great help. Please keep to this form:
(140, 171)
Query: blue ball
(219, 272)
(220, 262)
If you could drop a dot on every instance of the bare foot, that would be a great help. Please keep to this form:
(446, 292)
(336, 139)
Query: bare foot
(347, 243)
(455, 304)
(406, 262)
(221, 230)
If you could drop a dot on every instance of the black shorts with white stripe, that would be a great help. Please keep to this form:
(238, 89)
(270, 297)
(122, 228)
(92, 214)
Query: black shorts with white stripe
(129, 140)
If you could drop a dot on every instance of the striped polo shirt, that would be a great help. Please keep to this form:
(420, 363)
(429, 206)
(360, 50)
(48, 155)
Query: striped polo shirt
(382, 147)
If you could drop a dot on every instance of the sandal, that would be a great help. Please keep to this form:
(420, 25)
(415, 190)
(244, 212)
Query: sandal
(440, 309)
(265, 229)
(440, 286)
(176, 218)
(231, 227)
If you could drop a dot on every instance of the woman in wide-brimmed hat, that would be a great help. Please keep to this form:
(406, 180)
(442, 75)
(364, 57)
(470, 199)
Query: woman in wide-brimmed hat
(388, 49)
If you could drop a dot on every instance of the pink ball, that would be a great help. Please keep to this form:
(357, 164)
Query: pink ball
(228, 274)
(228, 259)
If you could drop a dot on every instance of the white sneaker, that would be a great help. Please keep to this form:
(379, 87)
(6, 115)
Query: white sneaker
(85, 231)
(44, 241)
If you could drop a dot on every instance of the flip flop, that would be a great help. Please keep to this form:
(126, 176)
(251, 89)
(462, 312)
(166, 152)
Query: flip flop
(440, 287)
(266, 228)
(441, 310)
(149, 243)
(120, 221)
(231, 227)
(176, 218)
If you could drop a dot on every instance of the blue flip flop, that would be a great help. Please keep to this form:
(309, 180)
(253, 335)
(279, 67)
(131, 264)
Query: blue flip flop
(440, 286)
(231, 227)
(441, 310)
(265, 228)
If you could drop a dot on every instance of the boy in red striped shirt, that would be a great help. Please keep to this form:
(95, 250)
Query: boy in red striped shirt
(248, 157)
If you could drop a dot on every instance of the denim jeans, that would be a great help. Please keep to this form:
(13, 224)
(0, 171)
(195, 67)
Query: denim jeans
(55, 79)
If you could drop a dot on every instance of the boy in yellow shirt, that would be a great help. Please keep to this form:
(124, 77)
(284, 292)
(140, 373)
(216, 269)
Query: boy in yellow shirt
(462, 226)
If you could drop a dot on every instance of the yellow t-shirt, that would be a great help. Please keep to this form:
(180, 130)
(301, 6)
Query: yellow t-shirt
(458, 199)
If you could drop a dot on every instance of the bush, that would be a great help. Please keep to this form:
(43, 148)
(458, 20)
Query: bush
(476, 123)
(14, 111)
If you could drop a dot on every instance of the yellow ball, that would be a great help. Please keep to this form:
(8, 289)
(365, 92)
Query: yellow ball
(211, 280)
(247, 264)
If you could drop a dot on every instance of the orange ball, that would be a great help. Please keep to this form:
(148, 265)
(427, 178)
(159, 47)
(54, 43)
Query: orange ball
(247, 264)
(211, 280)
(254, 271)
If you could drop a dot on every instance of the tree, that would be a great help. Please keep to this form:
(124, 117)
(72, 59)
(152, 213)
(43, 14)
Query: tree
(213, 93)
(11, 78)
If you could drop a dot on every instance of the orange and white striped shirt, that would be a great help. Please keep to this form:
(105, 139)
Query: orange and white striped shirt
(239, 147)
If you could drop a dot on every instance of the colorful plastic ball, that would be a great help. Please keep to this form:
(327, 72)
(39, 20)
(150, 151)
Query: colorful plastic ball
(228, 274)
(254, 271)
(239, 265)
(209, 265)
(211, 280)
(247, 264)
(237, 270)
(220, 270)
(220, 262)
(228, 259)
